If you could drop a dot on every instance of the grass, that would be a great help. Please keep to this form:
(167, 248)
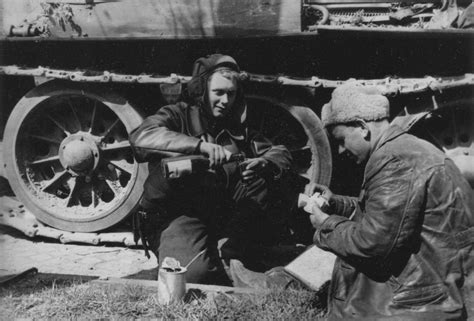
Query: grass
(37, 298)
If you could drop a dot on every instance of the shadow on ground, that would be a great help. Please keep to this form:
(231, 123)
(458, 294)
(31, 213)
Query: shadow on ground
(151, 274)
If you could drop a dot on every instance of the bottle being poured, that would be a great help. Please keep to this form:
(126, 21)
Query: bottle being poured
(177, 167)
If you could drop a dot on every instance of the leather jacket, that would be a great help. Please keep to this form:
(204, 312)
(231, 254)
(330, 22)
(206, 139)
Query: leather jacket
(406, 252)
(178, 129)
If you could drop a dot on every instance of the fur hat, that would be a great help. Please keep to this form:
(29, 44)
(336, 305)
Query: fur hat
(350, 103)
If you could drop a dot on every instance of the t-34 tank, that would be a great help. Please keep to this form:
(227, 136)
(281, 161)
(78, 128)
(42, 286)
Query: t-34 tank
(78, 75)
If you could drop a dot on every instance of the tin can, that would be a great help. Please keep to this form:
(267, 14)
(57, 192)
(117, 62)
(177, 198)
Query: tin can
(171, 285)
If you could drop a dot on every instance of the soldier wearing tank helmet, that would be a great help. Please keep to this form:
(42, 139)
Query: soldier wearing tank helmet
(405, 246)
(183, 211)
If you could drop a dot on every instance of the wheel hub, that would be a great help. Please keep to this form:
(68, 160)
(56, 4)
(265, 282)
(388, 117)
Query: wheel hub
(79, 153)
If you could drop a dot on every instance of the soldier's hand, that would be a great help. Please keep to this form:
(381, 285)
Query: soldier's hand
(215, 153)
(323, 189)
(252, 167)
(317, 216)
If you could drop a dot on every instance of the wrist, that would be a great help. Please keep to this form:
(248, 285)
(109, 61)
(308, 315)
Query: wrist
(197, 150)
(317, 219)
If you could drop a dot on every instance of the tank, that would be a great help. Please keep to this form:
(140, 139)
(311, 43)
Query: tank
(77, 76)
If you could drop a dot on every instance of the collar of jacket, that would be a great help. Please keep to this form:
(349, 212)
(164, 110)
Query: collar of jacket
(392, 132)
(199, 125)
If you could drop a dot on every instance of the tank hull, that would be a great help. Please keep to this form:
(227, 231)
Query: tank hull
(332, 54)
(155, 18)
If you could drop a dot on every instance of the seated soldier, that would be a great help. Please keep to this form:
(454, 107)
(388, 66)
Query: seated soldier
(183, 216)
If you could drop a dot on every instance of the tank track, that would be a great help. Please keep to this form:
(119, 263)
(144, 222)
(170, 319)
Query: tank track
(15, 215)
(389, 86)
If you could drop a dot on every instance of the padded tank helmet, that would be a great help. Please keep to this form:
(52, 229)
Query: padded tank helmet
(203, 68)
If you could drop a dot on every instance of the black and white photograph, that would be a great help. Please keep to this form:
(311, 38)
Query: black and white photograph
(237, 159)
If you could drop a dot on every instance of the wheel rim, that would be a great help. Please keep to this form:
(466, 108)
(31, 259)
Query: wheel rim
(450, 129)
(300, 130)
(73, 165)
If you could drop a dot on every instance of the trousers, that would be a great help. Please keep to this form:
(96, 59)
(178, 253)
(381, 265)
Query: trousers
(194, 212)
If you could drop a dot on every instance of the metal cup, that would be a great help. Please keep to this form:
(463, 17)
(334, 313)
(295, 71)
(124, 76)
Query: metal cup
(171, 285)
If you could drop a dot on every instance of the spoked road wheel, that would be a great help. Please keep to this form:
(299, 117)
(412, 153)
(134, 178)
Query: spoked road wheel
(450, 127)
(300, 130)
(68, 158)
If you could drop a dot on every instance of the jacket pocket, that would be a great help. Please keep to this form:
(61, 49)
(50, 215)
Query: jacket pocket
(421, 296)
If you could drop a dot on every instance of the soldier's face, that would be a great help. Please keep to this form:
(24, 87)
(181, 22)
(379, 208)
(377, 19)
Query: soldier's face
(222, 93)
(352, 141)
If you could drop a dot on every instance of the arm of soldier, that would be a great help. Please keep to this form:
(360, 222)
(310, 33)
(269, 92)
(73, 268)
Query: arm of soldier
(269, 167)
(280, 157)
(338, 204)
(344, 205)
(389, 222)
(270, 160)
(160, 135)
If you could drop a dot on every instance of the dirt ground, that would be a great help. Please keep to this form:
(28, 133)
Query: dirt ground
(19, 253)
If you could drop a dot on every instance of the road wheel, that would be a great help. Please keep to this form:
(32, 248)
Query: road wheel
(450, 128)
(68, 158)
(300, 130)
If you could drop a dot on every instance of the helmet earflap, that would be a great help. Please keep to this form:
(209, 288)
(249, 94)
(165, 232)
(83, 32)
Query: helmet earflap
(197, 83)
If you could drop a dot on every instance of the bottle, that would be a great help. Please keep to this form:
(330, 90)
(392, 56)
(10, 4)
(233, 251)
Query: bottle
(176, 167)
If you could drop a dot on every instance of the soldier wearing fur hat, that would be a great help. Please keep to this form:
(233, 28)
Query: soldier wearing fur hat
(405, 246)
(183, 211)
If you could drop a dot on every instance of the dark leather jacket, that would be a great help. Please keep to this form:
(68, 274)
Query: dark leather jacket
(406, 253)
(178, 129)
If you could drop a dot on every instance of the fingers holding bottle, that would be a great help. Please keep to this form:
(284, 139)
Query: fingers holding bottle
(217, 154)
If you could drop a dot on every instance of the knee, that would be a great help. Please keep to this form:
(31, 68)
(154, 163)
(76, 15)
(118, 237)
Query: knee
(201, 271)
(183, 239)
